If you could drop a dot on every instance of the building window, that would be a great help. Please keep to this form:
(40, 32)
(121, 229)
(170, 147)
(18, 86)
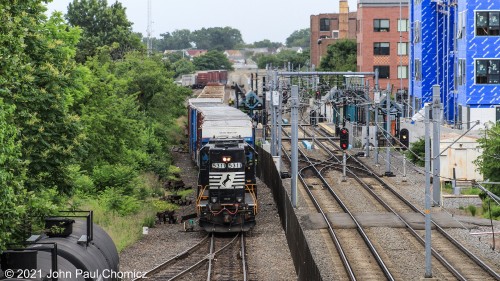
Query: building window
(487, 71)
(381, 25)
(403, 49)
(417, 34)
(488, 23)
(335, 34)
(403, 25)
(461, 72)
(402, 72)
(461, 24)
(324, 24)
(418, 69)
(383, 71)
(381, 49)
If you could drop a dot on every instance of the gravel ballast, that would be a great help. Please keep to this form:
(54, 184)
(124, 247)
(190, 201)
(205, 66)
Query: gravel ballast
(268, 255)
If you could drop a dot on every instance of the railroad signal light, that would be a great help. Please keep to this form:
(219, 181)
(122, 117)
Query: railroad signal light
(344, 138)
(312, 117)
(404, 138)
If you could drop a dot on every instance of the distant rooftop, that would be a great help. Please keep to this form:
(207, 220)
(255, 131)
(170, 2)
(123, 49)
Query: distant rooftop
(382, 2)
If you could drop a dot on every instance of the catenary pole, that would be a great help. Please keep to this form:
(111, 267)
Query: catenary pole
(295, 135)
(427, 211)
(436, 117)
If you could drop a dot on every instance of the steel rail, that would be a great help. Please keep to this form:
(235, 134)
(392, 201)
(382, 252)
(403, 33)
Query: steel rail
(243, 259)
(359, 228)
(167, 263)
(332, 233)
(438, 256)
(213, 254)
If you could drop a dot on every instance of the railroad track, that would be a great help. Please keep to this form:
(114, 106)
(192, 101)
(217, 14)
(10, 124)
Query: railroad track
(458, 262)
(212, 258)
(359, 262)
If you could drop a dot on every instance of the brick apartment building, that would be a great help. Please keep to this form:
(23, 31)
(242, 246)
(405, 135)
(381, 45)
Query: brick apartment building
(382, 41)
(326, 28)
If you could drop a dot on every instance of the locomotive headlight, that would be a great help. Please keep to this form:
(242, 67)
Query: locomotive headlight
(226, 159)
(239, 199)
(214, 199)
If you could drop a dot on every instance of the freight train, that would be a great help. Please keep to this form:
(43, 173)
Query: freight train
(200, 79)
(221, 142)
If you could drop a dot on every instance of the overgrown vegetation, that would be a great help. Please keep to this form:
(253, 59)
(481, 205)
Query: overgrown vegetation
(417, 149)
(86, 117)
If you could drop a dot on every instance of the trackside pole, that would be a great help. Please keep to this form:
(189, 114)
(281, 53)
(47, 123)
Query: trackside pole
(295, 139)
(427, 211)
(344, 160)
(404, 168)
(436, 118)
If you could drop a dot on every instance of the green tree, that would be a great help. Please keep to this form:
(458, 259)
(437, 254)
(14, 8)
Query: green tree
(182, 66)
(102, 26)
(266, 43)
(340, 56)
(173, 57)
(113, 122)
(216, 38)
(299, 38)
(212, 60)
(283, 57)
(12, 170)
(42, 80)
(488, 162)
(177, 40)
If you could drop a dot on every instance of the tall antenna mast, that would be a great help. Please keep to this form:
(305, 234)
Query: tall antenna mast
(149, 30)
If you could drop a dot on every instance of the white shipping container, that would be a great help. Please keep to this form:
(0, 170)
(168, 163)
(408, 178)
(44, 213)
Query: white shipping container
(188, 80)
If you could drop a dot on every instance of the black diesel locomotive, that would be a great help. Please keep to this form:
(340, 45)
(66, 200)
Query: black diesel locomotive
(227, 193)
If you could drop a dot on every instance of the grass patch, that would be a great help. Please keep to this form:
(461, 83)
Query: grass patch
(471, 191)
(184, 193)
(124, 230)
(472, 209)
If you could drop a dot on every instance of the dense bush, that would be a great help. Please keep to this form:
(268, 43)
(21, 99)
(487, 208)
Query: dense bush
(417, 153)
(72, 130)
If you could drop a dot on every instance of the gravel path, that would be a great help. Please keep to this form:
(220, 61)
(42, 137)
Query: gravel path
(267, 250)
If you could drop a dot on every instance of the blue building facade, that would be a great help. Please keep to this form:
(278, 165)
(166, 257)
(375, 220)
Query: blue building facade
(456, 44)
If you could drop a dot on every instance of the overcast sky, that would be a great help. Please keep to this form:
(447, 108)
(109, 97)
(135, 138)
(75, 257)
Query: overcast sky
(257, 19)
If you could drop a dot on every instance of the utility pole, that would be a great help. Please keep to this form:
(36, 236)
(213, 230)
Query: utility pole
(295, 139)
(388, 172)
(367, 120)
(427, 211)
(279, 119)
(436, 166)
(274, 103)
(149, 30)
(376, 97)
(264, 111)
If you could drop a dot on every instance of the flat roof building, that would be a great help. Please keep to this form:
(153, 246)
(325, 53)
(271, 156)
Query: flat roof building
(382, 42)
(327, 28)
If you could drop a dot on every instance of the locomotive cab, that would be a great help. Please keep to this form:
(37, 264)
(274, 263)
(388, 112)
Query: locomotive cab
(226, 186)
